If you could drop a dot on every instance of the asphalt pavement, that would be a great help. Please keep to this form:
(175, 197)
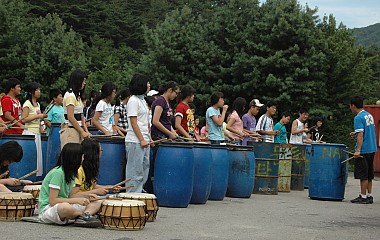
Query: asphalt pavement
(284, 216)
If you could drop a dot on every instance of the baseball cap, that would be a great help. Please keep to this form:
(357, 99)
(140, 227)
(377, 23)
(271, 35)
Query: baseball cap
(256, 102)
(152, 93)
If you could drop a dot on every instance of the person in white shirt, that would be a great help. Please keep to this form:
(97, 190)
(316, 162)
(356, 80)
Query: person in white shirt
(103, 119)
(138, 137)
(298, 127)
(265, 125)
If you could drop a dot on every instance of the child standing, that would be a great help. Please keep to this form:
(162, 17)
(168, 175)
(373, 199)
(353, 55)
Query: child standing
(57, 204)
(120, 116)
(280, 126)
(138, 137)
(74, 129)
(184, 116)
(56, 113)
(32, 116)
(215, 119)
(11, 106)
(265, 124)
(103, 118)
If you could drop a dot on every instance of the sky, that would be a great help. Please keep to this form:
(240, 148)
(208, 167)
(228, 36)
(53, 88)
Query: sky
(353, 13)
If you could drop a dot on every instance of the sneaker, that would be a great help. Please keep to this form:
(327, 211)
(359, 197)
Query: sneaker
(370, 199)
(86, 220)
(360, 200)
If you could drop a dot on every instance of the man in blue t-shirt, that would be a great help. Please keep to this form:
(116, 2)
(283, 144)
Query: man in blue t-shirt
(365, 149)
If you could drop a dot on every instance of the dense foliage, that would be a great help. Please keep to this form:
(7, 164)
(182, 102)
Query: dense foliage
(278, 50)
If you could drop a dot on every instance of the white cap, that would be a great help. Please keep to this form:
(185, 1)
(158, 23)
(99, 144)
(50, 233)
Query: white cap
(152, 93)
(256, 102)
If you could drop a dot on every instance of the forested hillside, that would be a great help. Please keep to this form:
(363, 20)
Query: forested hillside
(368, 36)
(277, 50)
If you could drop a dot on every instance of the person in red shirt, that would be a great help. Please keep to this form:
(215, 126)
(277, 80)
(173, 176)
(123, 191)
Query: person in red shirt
(184, 116)
(11, 106)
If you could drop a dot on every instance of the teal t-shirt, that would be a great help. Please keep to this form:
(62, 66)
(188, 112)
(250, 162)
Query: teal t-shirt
(281, 137)
(215, 132)
(55, 115)
(54, 179)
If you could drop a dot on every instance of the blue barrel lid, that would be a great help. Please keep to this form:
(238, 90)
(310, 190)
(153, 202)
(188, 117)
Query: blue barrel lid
(176, 144)
(16, 136)
(329, 144)
(101, 138)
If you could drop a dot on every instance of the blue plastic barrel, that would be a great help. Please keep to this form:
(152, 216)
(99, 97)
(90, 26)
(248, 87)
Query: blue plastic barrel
(44, 140)
(28, 162)
(202, 173)
(267, 164)
(93, 130)
(174, 174)
(327, 174)
(298, 167)
(112, 161)
(220, 170)
(241, 176)
(53, 148)
(307, 165)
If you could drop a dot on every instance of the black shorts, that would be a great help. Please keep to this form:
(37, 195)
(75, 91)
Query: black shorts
(364, 167)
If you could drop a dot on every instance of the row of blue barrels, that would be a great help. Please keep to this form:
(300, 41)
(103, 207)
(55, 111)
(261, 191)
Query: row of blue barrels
(327, 175)
(194, 173)
(112, 163)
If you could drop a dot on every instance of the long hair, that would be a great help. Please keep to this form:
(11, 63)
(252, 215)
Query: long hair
(239, 106)
(70, 160)
(75, 82)
(90, 164)
(30, 89)
(11, 151)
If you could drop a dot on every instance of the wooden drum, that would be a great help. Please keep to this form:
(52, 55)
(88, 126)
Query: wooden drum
(123, 215)
(34, 190)
(14, 206)
(150, 201)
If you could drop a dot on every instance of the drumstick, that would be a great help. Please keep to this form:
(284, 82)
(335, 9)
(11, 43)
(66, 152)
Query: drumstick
(124, 188)
(188, 139)
(48, 109)
(13, 123)
(36, 183)
(160, 140)
(348, 152)
(105, 198)
(348, 159)
(29, 174)
(320, 139)
(4, 174)
(121, 183)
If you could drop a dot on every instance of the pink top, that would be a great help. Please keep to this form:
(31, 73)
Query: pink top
(238, 124)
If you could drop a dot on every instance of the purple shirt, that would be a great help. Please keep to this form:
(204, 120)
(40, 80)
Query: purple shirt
(249, 123)
(165, 118)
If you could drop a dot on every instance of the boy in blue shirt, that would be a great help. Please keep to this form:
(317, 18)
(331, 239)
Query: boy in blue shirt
(280, 126)
(365, 149)
(55, 112)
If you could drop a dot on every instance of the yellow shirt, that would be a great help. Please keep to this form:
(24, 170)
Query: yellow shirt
(81, 178)
(70, 99)
(33, 126)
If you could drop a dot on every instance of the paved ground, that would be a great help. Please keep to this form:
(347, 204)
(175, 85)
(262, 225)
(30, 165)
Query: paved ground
(285, 216)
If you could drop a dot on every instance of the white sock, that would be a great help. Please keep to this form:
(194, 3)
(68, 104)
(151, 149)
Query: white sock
(369, 195)
(363, 196)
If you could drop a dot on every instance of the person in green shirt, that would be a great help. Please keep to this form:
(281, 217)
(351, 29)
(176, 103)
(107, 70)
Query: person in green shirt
(280, 126)
(57, 204)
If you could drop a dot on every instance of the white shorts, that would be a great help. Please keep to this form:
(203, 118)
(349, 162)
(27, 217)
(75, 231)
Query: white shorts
(50, 214)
